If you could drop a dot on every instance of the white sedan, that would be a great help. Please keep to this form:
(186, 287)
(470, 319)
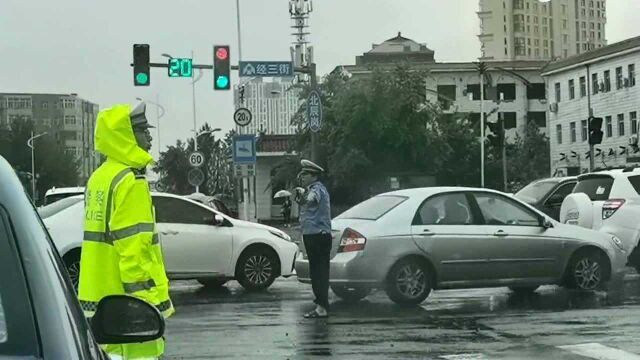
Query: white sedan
(197, 242)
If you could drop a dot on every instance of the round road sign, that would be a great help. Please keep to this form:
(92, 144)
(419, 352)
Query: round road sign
(196, 159)
(242, 117)
(195, 177)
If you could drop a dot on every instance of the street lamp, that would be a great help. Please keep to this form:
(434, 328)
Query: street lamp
(33, 163)
(158, 117)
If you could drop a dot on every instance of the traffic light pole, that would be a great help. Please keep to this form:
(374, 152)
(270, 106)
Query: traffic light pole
(504, 153)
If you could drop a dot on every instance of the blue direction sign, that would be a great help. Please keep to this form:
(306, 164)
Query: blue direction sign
(244, 149)
(314, 111)
(266, 68)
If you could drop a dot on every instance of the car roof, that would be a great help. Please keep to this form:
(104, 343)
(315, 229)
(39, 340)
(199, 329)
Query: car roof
(65, 190)
(426, 191)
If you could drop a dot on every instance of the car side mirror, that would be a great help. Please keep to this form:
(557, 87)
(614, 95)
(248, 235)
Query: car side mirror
(217, 220)
(546, 223)
(122, 319)
(555, 199)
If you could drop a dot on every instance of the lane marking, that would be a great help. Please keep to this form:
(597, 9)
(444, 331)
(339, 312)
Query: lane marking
(475, 356)
(600, 352)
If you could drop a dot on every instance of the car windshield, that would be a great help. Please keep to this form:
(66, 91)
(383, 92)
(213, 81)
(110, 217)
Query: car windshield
(536, 191)
(374, 208)
(58, 206)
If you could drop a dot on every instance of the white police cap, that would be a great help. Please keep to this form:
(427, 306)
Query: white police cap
(138, 117)
(310, 167)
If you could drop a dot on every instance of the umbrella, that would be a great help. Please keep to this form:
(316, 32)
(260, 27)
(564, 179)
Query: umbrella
(281, 193)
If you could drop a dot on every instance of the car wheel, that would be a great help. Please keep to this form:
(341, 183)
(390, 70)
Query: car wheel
(523, 289)
(350, 293)
(587, 271)
(72, 263)
(212, 283)
(257, 268)
(408, 282)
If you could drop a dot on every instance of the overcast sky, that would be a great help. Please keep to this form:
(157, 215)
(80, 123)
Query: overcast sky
(85, 46)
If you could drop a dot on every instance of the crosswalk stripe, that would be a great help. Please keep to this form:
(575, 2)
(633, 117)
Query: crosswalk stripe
(600, 352)
(476, 356)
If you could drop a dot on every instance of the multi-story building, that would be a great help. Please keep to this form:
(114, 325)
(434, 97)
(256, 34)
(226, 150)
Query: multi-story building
(540, 30)
(601, 83)
(272, 104)
(68, 118)
(517, 84)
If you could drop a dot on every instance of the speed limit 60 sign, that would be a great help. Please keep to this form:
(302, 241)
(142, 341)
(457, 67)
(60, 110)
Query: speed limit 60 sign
(196, 159)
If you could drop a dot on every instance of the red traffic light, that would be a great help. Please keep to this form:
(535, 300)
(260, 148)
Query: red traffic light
(222, 53)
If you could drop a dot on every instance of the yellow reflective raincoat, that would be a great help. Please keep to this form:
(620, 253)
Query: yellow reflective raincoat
(120, 252)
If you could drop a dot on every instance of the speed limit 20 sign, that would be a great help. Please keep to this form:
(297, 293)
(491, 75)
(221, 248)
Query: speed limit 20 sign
(196, 159)
(242, 117)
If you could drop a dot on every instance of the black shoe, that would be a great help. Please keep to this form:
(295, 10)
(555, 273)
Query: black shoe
(315, 315)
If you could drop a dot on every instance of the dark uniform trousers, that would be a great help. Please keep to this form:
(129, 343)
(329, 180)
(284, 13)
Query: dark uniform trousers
(318, 252)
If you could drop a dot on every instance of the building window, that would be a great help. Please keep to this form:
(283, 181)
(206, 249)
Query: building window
(446, 95)
(539, 117)
(584, 130)
(544, 21)
(634, 122)
(578, 48)
(545, 30)
(620, 124)
(518, 4)
(535, 19)
(565, 52)
(582, 2)
(536, 91)
(583, 86)
(69, 103)
(607, 81)
(592, 26)
(572, 89)
(45, 105)
(565, 38)
(609, 126)
(632, 75)
(564, 11)
(509, 119)
(520, 46)
(14, 102)
(572, 131)
(594, 83)
(559, 133)
(558, 95)
(619, 77)
(69, 120)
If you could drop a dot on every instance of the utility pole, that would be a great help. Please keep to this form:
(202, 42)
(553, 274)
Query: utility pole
(314, 135)
(481, 67)
(504, 152)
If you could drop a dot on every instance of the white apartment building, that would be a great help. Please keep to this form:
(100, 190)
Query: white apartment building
(604, 80)
(537, 30)
(272, 104)
(457, 85)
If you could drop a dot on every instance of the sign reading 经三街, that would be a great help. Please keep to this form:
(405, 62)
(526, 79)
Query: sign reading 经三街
(266, 68)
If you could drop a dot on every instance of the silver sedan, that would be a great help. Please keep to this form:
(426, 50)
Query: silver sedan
(409, 242)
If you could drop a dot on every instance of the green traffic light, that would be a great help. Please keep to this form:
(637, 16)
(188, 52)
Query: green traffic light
(222, 82)
(142, 78)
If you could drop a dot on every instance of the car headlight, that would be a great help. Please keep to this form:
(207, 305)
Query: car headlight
(617, 242)
(281, 235)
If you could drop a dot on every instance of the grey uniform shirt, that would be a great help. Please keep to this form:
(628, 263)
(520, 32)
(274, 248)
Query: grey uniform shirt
(315, 210)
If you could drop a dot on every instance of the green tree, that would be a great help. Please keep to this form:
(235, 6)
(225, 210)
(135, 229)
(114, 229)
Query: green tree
(528, 157)
(54, 166)
(380, 125)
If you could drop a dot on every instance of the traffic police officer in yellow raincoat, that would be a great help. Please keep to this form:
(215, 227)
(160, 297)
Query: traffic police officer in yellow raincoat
(120, 252)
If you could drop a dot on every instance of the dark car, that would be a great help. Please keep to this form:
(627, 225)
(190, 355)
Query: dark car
(40, 317)
(547, 195)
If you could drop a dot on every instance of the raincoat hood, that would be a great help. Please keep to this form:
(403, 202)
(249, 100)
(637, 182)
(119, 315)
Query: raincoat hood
(114, 138)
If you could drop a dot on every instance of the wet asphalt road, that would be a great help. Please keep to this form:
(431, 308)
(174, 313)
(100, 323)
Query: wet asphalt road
(553, 323)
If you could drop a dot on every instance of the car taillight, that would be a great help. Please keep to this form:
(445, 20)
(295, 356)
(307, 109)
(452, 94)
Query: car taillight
(610, 207)
(351, 241)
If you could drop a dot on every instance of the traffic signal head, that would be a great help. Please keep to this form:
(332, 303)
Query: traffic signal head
(141, 73)
(595, 130)
(221, 68)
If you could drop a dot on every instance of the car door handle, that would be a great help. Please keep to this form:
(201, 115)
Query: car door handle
(427, 232)
(500, 233)
(169, 232)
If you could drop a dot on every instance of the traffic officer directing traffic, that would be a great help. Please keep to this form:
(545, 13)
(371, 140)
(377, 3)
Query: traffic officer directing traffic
(120, 252)
(315, 217)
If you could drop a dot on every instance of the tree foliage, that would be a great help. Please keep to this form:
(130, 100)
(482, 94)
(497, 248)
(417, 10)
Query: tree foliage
(54, 166)
(173, 165)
